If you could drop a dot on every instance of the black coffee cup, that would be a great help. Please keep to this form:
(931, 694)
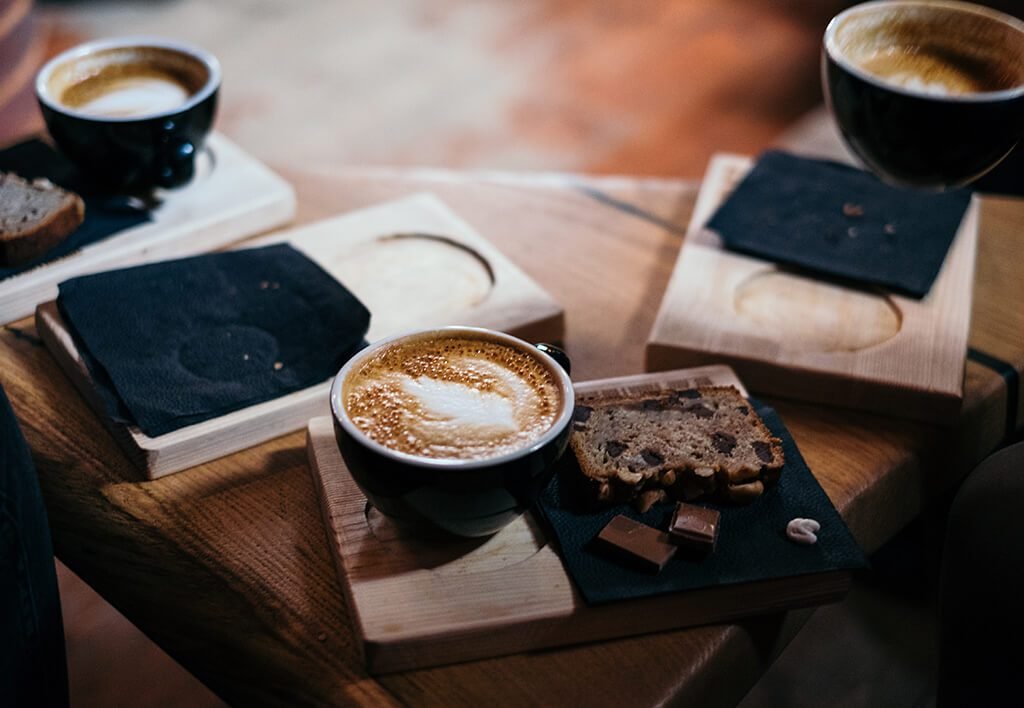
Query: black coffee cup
(131, 113)
(927, 93)
(466, 497)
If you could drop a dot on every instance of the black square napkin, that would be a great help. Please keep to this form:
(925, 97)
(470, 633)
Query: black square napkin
(752, 542)
(188, 340)
(34, 158)
(840, 221)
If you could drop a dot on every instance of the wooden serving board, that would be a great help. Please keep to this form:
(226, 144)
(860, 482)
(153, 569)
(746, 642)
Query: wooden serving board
(414, 264)
(232, 196)
(419, 601)
(794, 336)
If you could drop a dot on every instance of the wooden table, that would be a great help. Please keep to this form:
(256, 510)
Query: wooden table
(226, 565)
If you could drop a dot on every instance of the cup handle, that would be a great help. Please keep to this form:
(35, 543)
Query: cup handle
(557, 354)
(176, 162)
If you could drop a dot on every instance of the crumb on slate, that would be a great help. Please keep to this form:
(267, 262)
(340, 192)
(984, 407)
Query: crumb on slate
(851, 209)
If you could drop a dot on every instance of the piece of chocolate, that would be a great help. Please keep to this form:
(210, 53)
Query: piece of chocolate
(652, 458)
(763, 451)
(725, 443)
(581, 413)
(638, 543)
(694, 527)
(614, 448)
(699, 410)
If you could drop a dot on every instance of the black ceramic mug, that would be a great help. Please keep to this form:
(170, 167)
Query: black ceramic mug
(131, 113)
(927, 93)
(458, 426)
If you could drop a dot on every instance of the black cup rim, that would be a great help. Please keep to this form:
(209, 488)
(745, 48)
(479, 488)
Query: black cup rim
(141, 41)
(452, 465)
(833, 52)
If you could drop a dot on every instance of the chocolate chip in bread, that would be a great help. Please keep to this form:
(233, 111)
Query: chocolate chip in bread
(34, 217)
(688, 444)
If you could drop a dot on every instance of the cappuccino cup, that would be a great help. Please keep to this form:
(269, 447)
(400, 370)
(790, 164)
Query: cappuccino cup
(927, 93)
(131, 113)
(459, 427)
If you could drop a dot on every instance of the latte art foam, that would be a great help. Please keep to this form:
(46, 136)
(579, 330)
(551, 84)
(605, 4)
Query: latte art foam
(453, 397)
(935, 50)
(937, 71)
(134, 96)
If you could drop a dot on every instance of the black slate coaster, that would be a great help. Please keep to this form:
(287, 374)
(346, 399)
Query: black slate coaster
(752, 542)
(103, 216)
(176, 343)
(839, 221)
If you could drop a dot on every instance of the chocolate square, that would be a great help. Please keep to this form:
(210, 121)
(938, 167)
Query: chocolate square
(694, 527)
(636, 543)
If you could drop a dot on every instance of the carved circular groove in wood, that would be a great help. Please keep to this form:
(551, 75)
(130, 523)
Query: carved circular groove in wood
(413, 277)
(206, 163)
(805, 314)
(411, 545)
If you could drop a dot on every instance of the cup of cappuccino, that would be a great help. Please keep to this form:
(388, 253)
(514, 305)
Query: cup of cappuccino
(459, 426)
(131, 113)
(927, 93)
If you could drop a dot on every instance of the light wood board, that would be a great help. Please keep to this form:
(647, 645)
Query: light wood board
(798, 337)
(414, 264)
(419, 602)
(233, 196)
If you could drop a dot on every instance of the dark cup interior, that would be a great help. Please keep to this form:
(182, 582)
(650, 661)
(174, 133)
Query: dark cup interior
(927, 94)
(166, 101)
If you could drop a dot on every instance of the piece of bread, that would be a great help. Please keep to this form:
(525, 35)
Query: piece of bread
(699, 442)
(34, 217)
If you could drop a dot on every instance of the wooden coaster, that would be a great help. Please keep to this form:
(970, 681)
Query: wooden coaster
(412, 262)
(798, 337)
(418, 600)
(232, 196)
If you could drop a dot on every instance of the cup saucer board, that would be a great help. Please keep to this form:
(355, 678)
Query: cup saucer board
(797, 336)
(419, 601)
(413, 262)
(232, 197)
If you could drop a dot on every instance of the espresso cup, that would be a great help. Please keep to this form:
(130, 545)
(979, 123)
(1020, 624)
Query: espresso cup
(131, 113)
(459, 427)
(927, 93)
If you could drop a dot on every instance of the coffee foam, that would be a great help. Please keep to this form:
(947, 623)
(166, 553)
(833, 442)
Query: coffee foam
(453, 397)
(127, 81)
(134, 96)
(924, 72)
(933, 50)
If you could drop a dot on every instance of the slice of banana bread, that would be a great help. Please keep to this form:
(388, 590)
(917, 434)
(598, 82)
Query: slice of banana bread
(34, 217)
(684, 444)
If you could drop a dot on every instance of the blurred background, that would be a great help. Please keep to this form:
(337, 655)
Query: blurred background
(604, 86)
(647, 88)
